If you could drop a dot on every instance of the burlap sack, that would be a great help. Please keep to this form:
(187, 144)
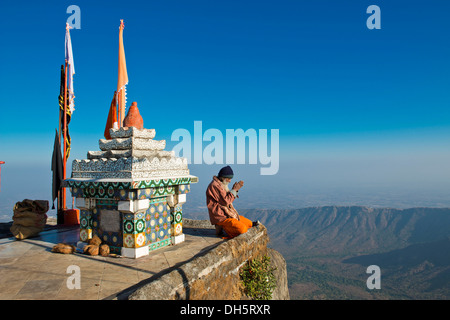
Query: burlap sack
(29, 218)
(64, 248)
(91, 250)
(96, 241)
(104, 250)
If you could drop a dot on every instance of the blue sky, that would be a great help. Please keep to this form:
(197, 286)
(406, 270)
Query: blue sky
(356, 108)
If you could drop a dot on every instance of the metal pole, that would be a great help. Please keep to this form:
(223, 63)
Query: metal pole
(65, 136)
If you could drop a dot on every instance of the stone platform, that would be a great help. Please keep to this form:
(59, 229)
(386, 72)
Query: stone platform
(30, 271)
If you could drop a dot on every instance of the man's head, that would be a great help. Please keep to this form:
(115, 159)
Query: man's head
(225, 175)
(226, 172)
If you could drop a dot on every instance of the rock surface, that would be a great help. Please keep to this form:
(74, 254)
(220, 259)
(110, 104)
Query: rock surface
(215, 274)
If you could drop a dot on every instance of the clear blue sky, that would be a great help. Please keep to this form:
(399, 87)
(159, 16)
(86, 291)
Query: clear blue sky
(351, 104)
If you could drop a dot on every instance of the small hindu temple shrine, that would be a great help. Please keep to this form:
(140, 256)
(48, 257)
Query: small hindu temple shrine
(130, 193)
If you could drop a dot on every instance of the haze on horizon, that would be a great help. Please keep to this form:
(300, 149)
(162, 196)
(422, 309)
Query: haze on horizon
(396, 181)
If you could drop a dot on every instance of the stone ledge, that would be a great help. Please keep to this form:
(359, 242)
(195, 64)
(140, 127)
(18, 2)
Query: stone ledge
(126, 132)
(213, 275)
(130, 153)
(131, 143)
(197, 224)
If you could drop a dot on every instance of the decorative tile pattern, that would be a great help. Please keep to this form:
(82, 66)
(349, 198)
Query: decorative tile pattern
(115, 249)
(162, 191)
(159, 244)
(144, 193)
(176, 214)
(131, 166)
(183, 189)
(105, 190)
(155, 183)
(109, 237)
(143, 189)
(85, 234)
(128, 240)
(178, 229)
(85, 219)
(157, 226)
(85, 225)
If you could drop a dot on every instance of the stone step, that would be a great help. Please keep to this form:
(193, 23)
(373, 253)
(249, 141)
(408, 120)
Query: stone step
(130, 153)
(131, 144)
(127, 132)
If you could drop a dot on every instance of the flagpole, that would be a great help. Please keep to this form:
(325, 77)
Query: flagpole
(59, 124)
(59, 114)
(64, 207)
(65, 135)
(58, 198)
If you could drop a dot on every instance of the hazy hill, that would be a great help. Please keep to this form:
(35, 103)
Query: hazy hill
(332, 229)
(329, 248)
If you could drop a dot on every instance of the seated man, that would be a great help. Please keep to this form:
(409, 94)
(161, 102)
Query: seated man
(219, 200)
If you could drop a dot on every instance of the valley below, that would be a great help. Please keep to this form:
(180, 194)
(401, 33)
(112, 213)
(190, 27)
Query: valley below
(328, 250)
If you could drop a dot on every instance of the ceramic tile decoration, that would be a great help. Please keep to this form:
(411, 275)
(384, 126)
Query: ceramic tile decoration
(131, 193)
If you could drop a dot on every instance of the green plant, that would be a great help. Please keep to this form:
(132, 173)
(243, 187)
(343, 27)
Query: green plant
(258, 278)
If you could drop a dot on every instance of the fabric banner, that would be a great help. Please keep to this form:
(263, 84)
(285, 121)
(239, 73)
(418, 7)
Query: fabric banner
(70, 70)
(61, 114)
(57, 168)
(111, 122)
(122, 80)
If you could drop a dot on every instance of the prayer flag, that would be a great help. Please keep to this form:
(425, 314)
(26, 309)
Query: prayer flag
(70, 70)
(57, 168)
(122, 80)
(112, 118)
(61, 113)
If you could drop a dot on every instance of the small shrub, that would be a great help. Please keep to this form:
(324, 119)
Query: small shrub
(258, 278)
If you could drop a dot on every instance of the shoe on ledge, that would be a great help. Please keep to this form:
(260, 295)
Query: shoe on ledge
(256, 223)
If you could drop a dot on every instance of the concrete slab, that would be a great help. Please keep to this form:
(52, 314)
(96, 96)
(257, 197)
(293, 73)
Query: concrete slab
(30, 271)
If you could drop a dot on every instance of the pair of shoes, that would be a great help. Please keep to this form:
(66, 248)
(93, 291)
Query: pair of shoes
(256, 223)
(219, 231)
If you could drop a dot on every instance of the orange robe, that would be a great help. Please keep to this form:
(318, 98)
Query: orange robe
(221, 210)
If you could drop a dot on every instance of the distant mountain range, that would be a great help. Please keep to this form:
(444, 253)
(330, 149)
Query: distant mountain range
(328, 250)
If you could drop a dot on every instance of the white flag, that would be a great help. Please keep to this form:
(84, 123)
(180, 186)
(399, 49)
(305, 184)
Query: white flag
(70, 70)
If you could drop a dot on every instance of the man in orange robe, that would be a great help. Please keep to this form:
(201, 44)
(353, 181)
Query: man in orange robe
(219, 200)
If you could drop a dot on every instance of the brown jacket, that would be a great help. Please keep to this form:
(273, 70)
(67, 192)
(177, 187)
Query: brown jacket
(219, 202)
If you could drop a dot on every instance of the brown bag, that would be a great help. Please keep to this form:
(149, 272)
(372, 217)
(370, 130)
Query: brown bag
(91, 250)
(104, 250)
(29, 218)
(96, 241)
(64, 248)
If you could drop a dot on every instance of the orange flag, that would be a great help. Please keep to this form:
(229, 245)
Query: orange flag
(122, 80)
(112, 118)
